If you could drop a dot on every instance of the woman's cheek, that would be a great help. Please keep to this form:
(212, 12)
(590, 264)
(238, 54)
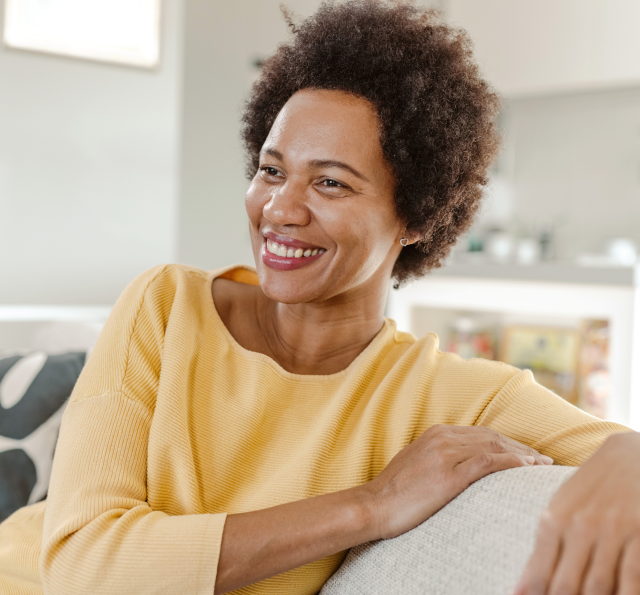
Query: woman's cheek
(250, 200)
(255, 201)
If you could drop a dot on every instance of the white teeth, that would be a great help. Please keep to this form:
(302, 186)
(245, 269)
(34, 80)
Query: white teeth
(282, 250)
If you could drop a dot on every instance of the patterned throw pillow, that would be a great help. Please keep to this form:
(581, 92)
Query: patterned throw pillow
(34, 390)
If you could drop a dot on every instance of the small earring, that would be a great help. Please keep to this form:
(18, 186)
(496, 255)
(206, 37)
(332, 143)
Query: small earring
(404, 241)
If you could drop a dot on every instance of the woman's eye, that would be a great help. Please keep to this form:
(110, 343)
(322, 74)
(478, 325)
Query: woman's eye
(332, 184)
(272, 171)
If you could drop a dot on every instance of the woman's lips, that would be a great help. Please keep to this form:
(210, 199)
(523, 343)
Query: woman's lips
(283, 262)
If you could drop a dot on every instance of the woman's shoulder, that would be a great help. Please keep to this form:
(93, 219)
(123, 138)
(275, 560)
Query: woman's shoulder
(165, 275)
(444, 387)
(449, 370)
(179, 291)
(132, 342)
(160, 285)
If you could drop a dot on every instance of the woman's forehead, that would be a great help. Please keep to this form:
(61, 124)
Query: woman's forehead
(321, 124)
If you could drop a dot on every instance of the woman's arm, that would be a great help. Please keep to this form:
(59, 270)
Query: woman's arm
(533, 415)
(100, 534)
(420, 479)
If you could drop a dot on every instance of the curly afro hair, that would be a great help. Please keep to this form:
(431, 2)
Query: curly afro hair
(437, 115)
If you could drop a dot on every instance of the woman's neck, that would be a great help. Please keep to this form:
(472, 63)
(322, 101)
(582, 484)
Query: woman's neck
(321, 338)
(318, 338)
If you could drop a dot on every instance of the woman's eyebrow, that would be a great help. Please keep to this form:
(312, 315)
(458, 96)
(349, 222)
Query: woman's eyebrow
(331, 163)
(318, 163)
(273, 152)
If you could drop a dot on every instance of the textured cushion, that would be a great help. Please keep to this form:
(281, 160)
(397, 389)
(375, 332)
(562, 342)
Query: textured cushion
(34, 389)
(479, 543)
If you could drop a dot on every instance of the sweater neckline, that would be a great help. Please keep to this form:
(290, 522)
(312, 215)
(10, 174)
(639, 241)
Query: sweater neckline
(384, 335)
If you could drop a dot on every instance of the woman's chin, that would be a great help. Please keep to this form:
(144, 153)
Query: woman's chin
(287, 287)
(290, 280)
(295, 286)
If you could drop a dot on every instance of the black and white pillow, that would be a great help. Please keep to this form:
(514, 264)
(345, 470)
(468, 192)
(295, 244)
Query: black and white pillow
(34, 390)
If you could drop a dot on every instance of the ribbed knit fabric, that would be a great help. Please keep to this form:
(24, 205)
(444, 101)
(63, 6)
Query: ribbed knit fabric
(172, 425)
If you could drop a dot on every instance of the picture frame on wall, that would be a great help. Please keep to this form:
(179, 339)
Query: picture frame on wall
(115, 31)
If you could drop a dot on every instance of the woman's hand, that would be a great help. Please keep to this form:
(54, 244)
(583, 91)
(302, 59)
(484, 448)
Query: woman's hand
(430, 472)
(589, 537)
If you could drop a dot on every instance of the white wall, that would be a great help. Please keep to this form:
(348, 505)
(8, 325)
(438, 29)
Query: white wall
(88, 172)
(537, 46)
(574, 160)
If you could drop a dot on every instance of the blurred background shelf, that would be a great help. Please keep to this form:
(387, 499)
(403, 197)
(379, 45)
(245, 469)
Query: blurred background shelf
(537, 296)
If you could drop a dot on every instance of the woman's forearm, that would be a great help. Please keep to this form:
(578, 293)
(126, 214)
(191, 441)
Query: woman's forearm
(260, 544)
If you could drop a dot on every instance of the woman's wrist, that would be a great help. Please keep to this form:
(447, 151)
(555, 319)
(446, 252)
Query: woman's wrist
(374, 512)
(367, 502)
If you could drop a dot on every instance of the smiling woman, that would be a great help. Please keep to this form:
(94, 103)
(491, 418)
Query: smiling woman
(323, 184)
(241, 429)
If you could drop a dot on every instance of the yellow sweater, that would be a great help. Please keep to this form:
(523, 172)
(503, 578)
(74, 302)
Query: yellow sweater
(173, 425)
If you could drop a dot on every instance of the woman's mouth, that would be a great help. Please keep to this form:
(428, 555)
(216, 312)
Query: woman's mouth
(283, 257)
(289, 252)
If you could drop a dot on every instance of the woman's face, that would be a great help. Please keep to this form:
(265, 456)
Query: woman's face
(321, 209)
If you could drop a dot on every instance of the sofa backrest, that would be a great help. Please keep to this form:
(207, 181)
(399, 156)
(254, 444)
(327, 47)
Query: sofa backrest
(479, 543)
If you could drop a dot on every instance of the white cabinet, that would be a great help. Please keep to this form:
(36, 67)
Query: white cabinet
(528, 47)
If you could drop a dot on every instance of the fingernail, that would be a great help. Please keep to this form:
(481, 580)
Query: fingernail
(530, 460)
(547, 460)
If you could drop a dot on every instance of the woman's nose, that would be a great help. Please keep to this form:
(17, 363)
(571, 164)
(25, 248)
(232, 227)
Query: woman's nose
(288, 205)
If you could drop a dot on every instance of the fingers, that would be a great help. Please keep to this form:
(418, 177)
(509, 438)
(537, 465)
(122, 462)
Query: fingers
(601, 575)
(488, 440)
(540, 458)
(485, 463)
(542, 563)
(629, 577)
(574, 565)
(468, 452)
(501, 444)
(574, 557)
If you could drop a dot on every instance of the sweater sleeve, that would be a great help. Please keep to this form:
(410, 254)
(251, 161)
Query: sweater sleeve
(533, 415)
(100, 534)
